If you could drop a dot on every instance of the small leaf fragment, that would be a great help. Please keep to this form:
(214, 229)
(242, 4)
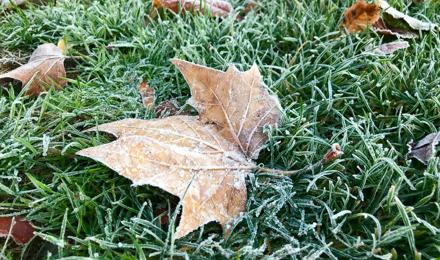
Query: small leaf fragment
(44, 68)
(166, 108)
(21, 231)
(391, 47)
(334, 153)
(62, 45)
(361, 15)
(424, 149)
(215, 7)
(147, 95)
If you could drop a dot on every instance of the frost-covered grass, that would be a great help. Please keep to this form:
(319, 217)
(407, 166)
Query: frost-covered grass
(373, 202)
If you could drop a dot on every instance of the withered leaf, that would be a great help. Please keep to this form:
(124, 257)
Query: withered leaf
(384, 19)
(411, 22)
(184, 157)
(21, 231)
(424, 149)
(382, 28)
(44, 68)
(390, 47)
(361, 15)
(215, 7)
(147, 95)
(235, 101)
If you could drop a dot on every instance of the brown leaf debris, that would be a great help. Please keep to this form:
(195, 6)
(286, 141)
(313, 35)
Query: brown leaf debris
(44, 68)
(21, 231)
(147, 95)
(215, 7)
(361, 15)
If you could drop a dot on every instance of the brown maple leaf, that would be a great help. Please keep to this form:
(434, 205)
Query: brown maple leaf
(18, 228)
(361, 15)
(235, 101)
(203, 162)
(215, 7)
(44, 68)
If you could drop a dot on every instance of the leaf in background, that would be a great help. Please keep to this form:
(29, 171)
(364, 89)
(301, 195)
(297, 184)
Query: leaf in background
(184, 157)
(382, 28)
(360, 16)
(10, 3)
(235, 101)
(215, 7)
(44, 68)
(390, 47)
(392, 22)
(7, 4)
(147, 94)
(402, 20)
(424, 149)
(21, 232)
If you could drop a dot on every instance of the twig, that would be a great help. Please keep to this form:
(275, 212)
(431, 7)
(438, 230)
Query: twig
(334, 153)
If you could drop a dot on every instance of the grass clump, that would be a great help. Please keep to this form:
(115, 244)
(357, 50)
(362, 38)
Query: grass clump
(372, 202)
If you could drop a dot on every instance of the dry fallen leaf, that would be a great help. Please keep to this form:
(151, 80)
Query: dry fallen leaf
(21, 232)
(361, 15)
(424, 149)
(147, 94)
(44, 68)
(412, 22)
(201, 162)
(390, 47)
(382, 28)
(392, 22)
(216, 7)
(235, 101)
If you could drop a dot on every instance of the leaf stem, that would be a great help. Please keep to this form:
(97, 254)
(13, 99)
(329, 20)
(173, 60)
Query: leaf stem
(334, 153)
